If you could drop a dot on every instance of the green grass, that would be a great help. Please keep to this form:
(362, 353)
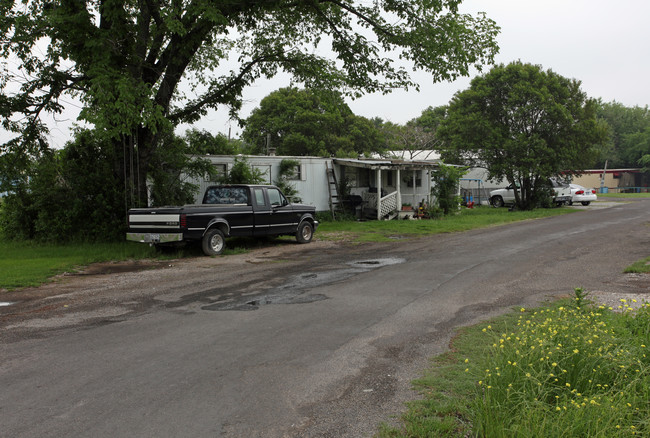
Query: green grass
(640, 267)
(30, 263)
(623, 195)
(466, 219)
(566, 370)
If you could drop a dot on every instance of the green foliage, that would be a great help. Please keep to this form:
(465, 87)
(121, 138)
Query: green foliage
(30, 263)
(628, 136)
(204, 143)
(72, 195)
(309, 122)
(524, 125)
(171, 168)
(286, 172)
(17, 215)
(561, 370)
(642, 266)
(141, 69)
(242, 173)
(580, 296)
(80, 193)
(417, 135)
(645, 162)
(466, 219)
(445, 180)
(566, 370)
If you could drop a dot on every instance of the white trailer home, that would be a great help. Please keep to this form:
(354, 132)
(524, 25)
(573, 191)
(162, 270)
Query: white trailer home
(382, 186)
(310, 180)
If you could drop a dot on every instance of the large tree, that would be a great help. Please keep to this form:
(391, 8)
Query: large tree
(523, 124)
(629, 134)
(309, 122)
(126, 60)
(417, 139)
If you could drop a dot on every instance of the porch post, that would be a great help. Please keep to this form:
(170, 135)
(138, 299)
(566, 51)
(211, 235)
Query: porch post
(378, 183)
(399, 190)
(415, 189)
(428, 198)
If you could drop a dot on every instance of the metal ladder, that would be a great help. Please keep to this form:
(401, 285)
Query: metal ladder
(332, 188)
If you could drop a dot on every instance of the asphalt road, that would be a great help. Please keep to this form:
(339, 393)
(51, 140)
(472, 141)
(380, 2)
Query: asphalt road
(318, 340)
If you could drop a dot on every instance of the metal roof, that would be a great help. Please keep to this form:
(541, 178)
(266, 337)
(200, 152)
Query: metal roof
(369, 163)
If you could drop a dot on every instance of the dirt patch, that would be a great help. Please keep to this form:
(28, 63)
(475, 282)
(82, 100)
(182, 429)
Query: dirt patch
(630, 289)
(106, 268)
(108, 290)
(62, 282)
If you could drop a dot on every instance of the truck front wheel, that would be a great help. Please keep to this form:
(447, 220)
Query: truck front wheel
(305, 232)
(213, 242)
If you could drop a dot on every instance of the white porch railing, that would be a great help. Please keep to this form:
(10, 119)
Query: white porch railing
(387, 204)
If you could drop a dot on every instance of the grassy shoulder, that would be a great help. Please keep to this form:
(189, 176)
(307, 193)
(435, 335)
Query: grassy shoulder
(568, 369)
(30, 263)
(466, 219)
(24, 263)
(640, 267)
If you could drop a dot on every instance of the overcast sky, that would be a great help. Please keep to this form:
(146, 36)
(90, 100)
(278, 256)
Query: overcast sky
(604, 44)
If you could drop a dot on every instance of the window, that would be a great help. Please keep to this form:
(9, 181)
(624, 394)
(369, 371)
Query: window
(259, 198)
(276, 198)
(221, 170)
(363, 177)
(408, 178)
(226, 196)
(296, 174)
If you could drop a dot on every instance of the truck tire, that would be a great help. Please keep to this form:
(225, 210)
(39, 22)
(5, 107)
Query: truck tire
(497, 201)
(213, 242)
(305, 232)
(585, 203)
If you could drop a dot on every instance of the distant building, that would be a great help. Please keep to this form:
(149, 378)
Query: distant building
(614, 180)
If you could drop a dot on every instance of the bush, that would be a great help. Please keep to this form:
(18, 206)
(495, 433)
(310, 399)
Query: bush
(445, 190)
(288, 170)
(242, 173)
(72, 195)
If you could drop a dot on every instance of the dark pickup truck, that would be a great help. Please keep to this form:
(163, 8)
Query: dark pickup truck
(232, 210)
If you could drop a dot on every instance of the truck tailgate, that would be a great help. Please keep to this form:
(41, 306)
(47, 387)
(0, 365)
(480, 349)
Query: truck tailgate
(155, 226)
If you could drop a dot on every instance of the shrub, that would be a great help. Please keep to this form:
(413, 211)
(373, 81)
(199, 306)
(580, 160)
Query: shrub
(242, 173)
(445, 189)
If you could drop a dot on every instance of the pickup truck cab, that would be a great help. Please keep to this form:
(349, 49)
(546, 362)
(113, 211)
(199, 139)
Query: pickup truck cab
(229, 210)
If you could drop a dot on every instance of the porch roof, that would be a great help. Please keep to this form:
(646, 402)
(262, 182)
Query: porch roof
(387, 164)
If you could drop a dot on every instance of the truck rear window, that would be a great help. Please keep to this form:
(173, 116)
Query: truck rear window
(226, 196)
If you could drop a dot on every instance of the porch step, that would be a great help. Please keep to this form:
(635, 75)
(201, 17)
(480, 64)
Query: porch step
(392, 215)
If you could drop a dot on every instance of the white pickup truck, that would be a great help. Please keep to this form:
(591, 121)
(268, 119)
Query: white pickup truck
(501, 197)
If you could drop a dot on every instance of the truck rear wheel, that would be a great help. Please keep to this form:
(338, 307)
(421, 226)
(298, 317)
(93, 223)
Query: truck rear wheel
(497, 201)
(213, 242)
(305, 232)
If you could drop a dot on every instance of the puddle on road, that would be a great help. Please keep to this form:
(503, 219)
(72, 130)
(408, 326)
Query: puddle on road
(295, 290)
(378, 263)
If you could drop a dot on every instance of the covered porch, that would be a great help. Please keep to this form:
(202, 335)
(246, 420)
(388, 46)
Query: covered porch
(385, 185)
